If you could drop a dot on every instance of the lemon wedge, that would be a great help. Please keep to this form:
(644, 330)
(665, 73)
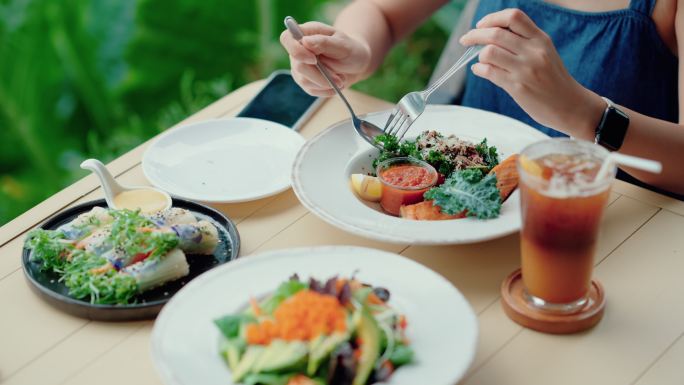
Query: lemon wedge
(367, 187)
(530, 166)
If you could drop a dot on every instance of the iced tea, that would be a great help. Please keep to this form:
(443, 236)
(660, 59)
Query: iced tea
(562, 207)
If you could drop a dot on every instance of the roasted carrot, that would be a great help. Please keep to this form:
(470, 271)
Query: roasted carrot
(506, 176)
(426, 211)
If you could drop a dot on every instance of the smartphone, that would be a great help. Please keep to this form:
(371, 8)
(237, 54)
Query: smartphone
(283, 101)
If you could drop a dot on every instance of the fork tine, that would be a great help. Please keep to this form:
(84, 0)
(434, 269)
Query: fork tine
(404, 129)
(395, 129)
(393, 115)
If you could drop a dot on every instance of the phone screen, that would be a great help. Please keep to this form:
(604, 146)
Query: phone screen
(281, 101)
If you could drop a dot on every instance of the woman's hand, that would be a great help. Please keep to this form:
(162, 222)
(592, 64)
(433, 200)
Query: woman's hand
(347, 58)
(520, 58)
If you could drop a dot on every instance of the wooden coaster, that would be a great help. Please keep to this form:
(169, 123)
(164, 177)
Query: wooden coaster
(517, 308)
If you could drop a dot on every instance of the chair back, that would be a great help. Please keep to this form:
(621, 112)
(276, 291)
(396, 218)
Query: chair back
(452, 51)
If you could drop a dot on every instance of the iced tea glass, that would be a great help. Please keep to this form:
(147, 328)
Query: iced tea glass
(562, 206)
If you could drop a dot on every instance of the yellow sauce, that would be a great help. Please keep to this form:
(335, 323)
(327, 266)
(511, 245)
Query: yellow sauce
(147, 200)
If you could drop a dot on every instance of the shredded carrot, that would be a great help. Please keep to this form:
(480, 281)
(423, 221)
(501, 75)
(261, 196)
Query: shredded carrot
(102, 269)
(402, 322)
(374, 299)
(304, 316)
(301, 379)
(357, 354)
(255, 307)
(388, 366)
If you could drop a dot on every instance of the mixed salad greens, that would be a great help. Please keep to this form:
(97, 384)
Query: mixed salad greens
(110, 256)
(469, 186)
(337, 332)
(445, 153)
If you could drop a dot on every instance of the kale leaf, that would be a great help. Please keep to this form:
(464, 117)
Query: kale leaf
(392, 148)
(470, 191)
(440, 162)
(488, 153)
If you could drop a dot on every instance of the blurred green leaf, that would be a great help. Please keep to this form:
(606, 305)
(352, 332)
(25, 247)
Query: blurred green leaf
(95, 78)
(408, 66)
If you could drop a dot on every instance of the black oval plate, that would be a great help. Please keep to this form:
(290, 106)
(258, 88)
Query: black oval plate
(148, 304)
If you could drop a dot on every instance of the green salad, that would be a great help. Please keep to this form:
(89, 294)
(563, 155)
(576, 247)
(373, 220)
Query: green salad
(337, 332)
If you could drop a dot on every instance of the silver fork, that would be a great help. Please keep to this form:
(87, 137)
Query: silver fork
(412, 105)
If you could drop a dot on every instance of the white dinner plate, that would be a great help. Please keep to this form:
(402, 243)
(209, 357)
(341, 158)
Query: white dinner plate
(321, 173)
(223, 160)
(442, 327)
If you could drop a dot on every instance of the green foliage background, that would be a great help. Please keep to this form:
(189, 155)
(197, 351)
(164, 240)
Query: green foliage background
(94, 78)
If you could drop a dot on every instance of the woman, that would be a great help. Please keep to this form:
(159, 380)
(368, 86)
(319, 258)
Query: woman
(548, 63)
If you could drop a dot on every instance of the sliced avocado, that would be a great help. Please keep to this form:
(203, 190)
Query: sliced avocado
(353, 321)
(281, 355)
(232, 349)
(249, 359)
(362, 294)
(369, 333)
(316, 342)
(322, 349)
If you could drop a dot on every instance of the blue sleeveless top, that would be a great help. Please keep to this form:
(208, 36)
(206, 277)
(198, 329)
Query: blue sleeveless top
(617, 54)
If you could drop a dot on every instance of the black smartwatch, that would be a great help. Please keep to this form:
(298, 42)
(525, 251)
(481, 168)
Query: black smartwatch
(612, 129)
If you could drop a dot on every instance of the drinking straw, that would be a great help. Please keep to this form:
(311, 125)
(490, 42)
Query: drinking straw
(630, 161)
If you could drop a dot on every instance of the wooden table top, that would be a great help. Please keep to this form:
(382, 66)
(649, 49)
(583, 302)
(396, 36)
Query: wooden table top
(639, 260)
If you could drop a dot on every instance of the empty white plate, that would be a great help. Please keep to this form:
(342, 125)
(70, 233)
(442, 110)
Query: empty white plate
(224, 160)
(442, 327)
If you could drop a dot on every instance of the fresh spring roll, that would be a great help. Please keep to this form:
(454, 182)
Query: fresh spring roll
(86, 223)
(97, 242)
(197, 238)
(194, 238)
(152, 273)
(173, 216)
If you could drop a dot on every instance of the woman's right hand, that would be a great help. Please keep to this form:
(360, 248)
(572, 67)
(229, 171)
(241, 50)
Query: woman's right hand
(347, 58)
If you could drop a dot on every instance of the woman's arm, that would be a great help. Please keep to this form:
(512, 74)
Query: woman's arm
(521, 59)
(354, 48)
(382, 23)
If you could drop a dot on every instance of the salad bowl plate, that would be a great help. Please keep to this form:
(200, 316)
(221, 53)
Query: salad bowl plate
(47, 285)
(442, 328)
(322, 170)
(223, 160)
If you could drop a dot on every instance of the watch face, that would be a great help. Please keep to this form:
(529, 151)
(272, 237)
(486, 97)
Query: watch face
(613, 130)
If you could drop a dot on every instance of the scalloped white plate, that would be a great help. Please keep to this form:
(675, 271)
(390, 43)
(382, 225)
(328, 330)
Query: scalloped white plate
(442, 327)
(320, 177)
(223, 160)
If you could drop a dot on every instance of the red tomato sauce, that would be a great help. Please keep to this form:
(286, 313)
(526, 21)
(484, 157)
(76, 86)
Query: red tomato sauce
(407, 175)
(404, 185)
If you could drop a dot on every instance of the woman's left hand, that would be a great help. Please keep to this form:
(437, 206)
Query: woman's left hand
(520, 58)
